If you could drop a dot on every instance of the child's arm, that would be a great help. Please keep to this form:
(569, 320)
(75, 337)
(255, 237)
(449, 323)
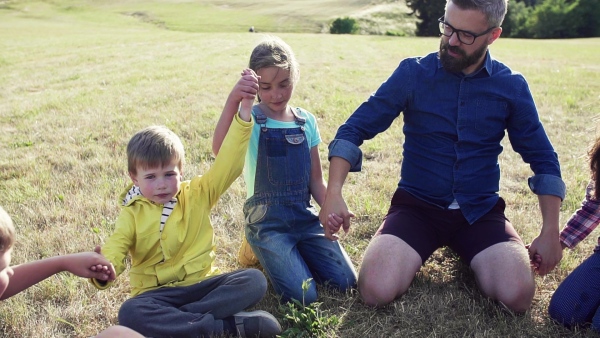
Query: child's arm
(317, 184)
(117, 246)
(245, 90)
(81, 264)
(318, 188)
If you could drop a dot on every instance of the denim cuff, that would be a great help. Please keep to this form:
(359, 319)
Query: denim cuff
(545, 184)
(348, 151)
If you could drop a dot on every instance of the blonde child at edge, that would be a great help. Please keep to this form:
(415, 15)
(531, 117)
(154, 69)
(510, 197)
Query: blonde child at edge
(14, 279)
(165, 226)
(282, 173)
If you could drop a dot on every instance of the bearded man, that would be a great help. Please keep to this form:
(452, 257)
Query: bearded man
(456, 105)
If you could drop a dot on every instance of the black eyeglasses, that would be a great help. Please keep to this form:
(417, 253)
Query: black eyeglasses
(465, 37)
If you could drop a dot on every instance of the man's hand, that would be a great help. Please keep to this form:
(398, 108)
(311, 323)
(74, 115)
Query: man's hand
(545, 253)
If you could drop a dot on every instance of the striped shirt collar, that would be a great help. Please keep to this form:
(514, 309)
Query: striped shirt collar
(167, 207)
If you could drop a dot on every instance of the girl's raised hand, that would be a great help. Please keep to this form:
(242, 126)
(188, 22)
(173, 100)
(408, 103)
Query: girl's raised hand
(247, 86)
(248, 81)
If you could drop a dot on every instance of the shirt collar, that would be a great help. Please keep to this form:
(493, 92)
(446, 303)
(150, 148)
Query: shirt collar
(135, 191)
(131, 194)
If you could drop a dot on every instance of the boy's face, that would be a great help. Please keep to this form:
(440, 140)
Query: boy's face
(5, 270)
(158, 185)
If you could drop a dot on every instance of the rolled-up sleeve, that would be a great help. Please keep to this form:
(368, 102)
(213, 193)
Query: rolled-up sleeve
(348, 151)
(544, 184)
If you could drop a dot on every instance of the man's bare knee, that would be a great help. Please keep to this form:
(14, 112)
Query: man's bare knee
(388, 267)
(503, 274)
(374, 295)
(519, 298)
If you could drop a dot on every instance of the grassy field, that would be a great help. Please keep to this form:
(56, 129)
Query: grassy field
(76, 81)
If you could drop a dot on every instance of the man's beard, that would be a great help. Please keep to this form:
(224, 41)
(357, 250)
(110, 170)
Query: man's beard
(455, 65)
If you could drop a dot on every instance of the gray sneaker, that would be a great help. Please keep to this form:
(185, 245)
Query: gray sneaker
(256, 324)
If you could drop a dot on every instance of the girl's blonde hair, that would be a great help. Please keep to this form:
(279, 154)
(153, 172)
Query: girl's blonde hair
(274, 52)
(7, 231)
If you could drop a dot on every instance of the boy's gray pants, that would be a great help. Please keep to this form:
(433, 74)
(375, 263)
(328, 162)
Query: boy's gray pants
(193, 311)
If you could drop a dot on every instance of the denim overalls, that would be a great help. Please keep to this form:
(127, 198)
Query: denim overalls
(282, 227)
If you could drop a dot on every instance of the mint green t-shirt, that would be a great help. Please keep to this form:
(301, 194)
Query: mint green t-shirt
(311, 130)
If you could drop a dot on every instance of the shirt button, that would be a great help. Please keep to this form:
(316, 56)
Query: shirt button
(164, 236)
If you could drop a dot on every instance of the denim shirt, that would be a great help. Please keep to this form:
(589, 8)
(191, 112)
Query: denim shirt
(453, 126)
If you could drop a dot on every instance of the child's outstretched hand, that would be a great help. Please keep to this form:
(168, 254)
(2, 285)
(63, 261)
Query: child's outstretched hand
(247, 88)
(90, 265)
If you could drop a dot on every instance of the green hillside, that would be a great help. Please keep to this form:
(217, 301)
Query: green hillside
(314, 16)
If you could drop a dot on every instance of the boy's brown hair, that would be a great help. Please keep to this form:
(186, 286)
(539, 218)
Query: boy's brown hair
(153, 147)
(7, 231)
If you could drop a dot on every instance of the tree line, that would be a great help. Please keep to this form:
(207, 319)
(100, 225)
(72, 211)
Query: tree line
(539, 19)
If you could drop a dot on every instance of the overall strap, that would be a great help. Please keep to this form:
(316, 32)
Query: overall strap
(301, 121)
(261, 119)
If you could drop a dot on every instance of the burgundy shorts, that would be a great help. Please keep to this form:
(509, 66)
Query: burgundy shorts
(426, 227)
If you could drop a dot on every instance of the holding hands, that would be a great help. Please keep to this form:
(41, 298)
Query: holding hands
(334, 211)
(99, 267)
(245, 92)
(335, 215)
(84, 264)
(545, 252)
(544, 255)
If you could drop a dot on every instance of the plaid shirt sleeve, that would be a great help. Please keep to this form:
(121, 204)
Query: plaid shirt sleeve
(583, 221)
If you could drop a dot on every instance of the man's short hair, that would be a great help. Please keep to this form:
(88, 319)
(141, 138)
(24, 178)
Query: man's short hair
(494, 10)
(7, 231)
(152, 147)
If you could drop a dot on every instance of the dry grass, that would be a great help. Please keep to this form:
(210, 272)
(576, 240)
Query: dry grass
(74, 88)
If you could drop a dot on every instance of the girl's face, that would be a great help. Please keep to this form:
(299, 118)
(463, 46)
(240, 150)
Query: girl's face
(5, 270)
(275, 88)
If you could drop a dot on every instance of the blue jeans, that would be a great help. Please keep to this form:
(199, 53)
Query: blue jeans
(282, 227)
(576, 301)
(193, 311)
(290, 244)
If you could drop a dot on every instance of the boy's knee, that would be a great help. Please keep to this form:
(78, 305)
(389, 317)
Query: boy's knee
(563, 310)
(596, 321)
(257, 280)
(128, 315)
(556, 312)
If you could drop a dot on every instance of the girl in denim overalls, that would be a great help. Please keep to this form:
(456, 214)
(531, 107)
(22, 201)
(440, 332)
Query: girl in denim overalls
(283, 171)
